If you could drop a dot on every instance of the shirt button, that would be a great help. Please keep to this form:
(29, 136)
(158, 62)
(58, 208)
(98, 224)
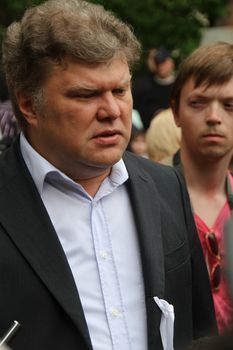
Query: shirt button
(104, 255)
(115, 312)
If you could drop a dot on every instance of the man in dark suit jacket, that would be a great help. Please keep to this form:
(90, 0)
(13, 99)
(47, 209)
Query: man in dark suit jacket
(98, 249)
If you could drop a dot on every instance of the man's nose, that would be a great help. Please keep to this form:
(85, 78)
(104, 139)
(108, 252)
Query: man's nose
(214, 114)
(108, 107)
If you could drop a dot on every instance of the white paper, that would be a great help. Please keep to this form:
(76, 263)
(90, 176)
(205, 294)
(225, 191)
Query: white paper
(166, 323)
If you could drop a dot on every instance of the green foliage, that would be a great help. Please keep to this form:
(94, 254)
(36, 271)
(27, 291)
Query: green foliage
(175, 24)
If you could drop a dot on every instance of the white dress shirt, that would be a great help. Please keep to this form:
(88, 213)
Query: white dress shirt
(99, 238)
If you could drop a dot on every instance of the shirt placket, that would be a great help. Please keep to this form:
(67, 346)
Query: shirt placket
(108, 278)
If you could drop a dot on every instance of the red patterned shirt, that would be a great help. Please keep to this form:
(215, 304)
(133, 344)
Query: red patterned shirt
(222, 301)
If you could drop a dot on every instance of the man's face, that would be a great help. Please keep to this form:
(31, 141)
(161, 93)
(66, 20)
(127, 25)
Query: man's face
(205, 116)
(165, 68)
(86, 121)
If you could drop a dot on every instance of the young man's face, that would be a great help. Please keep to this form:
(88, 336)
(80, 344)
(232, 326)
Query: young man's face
(205, 116)
(86, 120)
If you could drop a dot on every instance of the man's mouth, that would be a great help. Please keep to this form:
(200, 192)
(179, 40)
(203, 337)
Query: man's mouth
(213, 136)
(108, 137)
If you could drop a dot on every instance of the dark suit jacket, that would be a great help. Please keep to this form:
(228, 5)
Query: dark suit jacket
(37, 287)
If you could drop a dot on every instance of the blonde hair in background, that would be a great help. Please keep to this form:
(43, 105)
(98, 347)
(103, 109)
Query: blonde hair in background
(163, 136)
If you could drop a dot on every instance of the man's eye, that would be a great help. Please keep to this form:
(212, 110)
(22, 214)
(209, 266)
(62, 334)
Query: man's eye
(196, 103)
(86, 96)
(228, 105)
(119, 91)
(81, 95)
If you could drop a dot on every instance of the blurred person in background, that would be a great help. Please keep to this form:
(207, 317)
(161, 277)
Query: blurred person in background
(137, 143)
(202, 104)
(8, 123)
(152, 93)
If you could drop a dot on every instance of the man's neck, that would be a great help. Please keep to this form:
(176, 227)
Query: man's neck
(92, 184)
(206, 183)
(203, 173)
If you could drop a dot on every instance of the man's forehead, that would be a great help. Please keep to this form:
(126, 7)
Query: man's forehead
(194, 83)
(208, 82)
(82, 74)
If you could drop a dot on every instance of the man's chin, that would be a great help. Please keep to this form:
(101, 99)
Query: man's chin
(106, 161)
(215, 155)
(109, 156)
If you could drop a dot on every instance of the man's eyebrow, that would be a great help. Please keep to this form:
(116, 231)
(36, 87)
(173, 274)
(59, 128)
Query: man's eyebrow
(227, 98)
(197, 95)
(194, 94)
(207, 94)
(79, 89)
(85, 88)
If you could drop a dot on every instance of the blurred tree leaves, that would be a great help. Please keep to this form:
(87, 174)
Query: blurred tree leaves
(176, 24)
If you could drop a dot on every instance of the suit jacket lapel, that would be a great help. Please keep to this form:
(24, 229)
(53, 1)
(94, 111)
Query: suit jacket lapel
(144, 198)
(33, 234)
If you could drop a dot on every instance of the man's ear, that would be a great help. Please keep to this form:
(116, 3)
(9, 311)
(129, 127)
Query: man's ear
(26, 106)
(175, 112)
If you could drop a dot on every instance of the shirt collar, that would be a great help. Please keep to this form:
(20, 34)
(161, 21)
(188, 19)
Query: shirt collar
(41, 169)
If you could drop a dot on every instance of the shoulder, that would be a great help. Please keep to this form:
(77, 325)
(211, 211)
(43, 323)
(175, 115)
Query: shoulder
(161, 174)
(11, 164)
(166, 181)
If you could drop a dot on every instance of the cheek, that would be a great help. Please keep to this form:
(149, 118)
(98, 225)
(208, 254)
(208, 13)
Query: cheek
(126, 112)
(128, 124)
(127, 106)
(189, 120)
(179, 114)
(230, 134)
(75, 119)
(230, 124)
(189, 129)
